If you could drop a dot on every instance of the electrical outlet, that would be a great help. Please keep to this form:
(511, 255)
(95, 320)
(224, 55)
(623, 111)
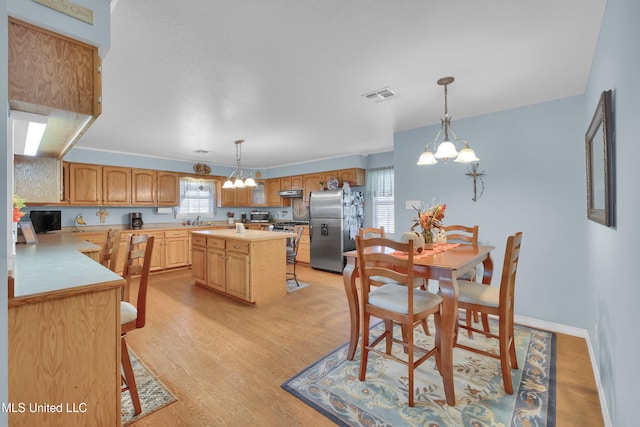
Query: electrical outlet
(410, 204)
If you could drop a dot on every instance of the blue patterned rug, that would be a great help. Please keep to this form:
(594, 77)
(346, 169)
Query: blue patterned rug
(331, 386)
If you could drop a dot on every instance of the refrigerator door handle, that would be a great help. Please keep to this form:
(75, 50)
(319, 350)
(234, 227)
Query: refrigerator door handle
(310, 233)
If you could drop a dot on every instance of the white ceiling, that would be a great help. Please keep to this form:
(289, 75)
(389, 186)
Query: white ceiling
(288, 76)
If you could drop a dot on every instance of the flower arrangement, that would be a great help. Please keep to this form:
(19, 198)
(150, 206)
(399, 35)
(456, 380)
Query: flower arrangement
(430, 220)
(18, 203)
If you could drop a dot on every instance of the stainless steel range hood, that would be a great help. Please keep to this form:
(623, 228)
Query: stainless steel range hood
(290, 193)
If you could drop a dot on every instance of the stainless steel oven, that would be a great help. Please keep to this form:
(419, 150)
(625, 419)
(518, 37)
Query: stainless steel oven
(259, 216)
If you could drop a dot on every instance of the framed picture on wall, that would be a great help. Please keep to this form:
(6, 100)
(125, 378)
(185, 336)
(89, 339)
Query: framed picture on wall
(600, 163)
(26, 230)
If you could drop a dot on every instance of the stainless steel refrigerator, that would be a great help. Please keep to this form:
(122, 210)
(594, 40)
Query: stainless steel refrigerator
(334, 217)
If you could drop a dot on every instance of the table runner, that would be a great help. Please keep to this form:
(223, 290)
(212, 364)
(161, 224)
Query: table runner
(437, 248)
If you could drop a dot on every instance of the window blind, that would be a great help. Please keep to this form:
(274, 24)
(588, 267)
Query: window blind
(380, 183)
(197, 197)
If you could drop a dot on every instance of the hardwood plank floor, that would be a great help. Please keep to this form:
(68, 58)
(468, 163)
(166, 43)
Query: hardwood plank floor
(225, 360)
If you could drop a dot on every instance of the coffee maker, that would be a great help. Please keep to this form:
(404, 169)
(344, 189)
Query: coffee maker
(135, 221)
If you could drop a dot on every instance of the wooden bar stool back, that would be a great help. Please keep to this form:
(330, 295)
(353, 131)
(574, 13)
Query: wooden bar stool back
(137, 263)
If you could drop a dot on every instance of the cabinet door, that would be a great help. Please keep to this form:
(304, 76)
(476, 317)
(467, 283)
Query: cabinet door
(285, 183)
(143, 187)
(238, 275)
(259, 194)
(228, 196)
(328, 175)
(116, 186)
(304, 253)
(85, 182)
(355, 176)
(244, 196)
(311, 183)
(157, 256)
(168, 188)
(297, 182)
(272, 187)
(216, 269)
(199, 264)
(176, 248)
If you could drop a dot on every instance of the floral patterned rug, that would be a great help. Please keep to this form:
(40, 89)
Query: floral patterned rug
(331, 386)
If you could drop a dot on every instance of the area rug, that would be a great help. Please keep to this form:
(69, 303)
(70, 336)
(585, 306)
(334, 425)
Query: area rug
(293, 286)
(331, 386)
(153, 394)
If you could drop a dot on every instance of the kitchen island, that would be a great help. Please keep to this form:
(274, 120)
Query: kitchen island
(249, 266)
(64, 335)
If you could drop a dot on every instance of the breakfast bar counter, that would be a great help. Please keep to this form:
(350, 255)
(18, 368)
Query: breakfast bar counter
(63, 335)
(250, 266)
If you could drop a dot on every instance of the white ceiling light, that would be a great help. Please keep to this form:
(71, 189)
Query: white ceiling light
(239, 182)
(447, 149)
(28, 129)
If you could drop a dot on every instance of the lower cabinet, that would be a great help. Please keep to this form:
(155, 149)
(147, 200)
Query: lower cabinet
(304, 250)
(250, 271)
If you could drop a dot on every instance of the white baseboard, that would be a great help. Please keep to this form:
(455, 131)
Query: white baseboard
(577, 332)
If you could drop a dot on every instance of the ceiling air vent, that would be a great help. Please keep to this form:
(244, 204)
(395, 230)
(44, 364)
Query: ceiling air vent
(380, 95)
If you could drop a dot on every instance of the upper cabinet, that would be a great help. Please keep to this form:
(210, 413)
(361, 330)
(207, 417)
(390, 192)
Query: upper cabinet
(144, 191)
(55, 76)
(354, 176)
(85, 184)
(116, 185)
(168, 188)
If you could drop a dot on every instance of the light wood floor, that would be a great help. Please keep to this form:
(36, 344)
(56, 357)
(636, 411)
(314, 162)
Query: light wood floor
(225, 361)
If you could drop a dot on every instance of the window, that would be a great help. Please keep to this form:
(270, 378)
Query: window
(197, 198)
(380, 187)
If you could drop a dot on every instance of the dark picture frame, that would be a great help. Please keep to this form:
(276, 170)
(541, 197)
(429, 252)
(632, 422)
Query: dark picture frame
(600, 163)
(27, 231)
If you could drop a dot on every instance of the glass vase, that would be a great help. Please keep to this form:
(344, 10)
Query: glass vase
(427, 235)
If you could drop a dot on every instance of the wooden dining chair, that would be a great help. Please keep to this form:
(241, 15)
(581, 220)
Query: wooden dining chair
(107, 247)
(395, 302)
(137, 263)
(468, 236)
(499, 302)
(371, 232)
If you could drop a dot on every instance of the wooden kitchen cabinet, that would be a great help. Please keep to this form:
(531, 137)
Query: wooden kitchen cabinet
(216, 264)
(57, 76)
(250, 267)
(238, 269)
(304, 247)
(85, 184)
(311, 183)
(225, 266)
(199, 258)
(168, 188)
(143, 187)
(295, 182)
(176, 248)
(116, 185)
(355, 176)
(272, 188)
(237, 196)
(328, 175)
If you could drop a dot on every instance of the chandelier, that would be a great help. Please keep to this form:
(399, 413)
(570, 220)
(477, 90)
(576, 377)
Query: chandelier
(447, 149)
(239, 181)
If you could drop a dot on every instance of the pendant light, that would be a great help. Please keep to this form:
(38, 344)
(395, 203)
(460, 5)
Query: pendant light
(446, 149)
(239, 181)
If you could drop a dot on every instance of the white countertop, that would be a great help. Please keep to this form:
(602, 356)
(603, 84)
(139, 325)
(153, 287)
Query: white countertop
(55, 265)
(250, 235)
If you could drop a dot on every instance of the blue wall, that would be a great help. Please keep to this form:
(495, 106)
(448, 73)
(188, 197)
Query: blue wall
(533, 158)
(612, 253)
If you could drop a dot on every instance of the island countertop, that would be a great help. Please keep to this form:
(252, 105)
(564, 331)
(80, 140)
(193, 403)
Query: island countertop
(249, 235)
(56, 265)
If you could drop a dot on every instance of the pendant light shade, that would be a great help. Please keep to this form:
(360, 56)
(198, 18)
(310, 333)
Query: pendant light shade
(447, 149)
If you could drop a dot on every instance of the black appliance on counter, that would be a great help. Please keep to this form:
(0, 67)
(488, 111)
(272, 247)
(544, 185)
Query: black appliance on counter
(135, 221)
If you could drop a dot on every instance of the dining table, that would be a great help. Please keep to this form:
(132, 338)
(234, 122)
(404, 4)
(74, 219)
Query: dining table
(445, 265)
